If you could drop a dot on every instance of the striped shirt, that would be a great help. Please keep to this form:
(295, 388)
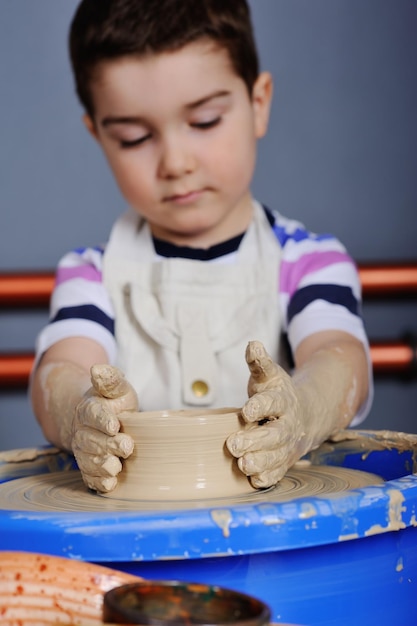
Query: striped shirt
(319, 288)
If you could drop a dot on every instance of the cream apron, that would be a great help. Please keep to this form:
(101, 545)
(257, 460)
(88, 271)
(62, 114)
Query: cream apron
(182, 326)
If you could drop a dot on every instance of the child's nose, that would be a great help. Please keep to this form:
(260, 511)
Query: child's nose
(176, 158)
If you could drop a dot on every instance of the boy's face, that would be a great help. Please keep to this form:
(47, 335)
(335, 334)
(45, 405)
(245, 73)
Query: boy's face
(179, 130)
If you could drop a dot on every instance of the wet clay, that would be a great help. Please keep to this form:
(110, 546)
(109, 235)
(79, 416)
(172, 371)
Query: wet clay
(366, 441)
(180, 455)
(26, 454)
(66, 492)
(27, 461)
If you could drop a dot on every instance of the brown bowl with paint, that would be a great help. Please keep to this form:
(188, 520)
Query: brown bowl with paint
(174, 603)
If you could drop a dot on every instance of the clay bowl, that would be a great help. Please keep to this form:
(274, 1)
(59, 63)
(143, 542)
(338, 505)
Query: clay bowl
(181, 455)
(39, 589)
(173, 603)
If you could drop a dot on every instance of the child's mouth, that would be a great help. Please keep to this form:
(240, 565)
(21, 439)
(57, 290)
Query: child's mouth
(185, 198)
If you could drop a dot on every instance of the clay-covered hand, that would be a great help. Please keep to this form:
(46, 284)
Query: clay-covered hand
(267, 450)
(97, 443)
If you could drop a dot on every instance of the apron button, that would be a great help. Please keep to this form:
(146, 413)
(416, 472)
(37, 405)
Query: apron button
(200, 388)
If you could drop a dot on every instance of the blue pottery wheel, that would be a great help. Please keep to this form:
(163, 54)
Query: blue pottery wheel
(342, 559)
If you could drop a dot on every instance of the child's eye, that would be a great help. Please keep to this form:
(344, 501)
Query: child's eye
(132, 143)
(208, 124)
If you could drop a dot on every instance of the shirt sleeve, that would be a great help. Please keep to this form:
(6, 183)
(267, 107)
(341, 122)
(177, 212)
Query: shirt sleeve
(319, 290)
(80, 305)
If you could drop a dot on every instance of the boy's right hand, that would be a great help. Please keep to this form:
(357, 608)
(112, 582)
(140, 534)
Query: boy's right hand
(97, 443)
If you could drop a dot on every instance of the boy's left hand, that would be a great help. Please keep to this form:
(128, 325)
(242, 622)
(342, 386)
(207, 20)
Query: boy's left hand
(265, 452)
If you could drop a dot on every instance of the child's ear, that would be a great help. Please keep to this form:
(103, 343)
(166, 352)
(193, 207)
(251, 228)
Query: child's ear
(90, 126)
(261, 102)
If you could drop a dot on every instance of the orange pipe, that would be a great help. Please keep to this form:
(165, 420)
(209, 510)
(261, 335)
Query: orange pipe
(390, 357)
(33, 289)
(15, 370)
(393, 357)
(388, 280)
(25, 290)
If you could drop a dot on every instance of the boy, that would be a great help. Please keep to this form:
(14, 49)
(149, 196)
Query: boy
(196, 268)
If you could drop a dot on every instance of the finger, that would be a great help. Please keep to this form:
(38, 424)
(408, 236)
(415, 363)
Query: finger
(275, 434)
(103, 485)
(109, 381)
(96, 415)
(121, 445)
(253, 463)
(263, 405)
(91, 441)
(247, 440)
(261, 366)
(97, 464)
(268, 478)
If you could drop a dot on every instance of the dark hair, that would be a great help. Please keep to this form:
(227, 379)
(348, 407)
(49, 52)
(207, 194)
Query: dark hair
(109, 29)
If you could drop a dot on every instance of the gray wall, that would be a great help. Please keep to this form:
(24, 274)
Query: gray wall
(340, 155)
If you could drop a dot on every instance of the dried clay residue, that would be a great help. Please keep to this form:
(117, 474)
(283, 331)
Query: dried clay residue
(349, 441)
(223, 519)
(395, 510)
(26, 454)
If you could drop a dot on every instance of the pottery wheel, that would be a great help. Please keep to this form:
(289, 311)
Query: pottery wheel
(65, 491)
